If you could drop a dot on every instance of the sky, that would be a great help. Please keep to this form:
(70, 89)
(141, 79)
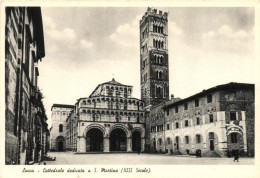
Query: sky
(86, 46)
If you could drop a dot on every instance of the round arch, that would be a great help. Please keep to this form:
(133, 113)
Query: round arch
(120, 126)
(60, 143)
(118, 139)
(97, 126)
(94, 139)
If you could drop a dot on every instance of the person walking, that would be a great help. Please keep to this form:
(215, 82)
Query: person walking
(236, 155)
(139, 150)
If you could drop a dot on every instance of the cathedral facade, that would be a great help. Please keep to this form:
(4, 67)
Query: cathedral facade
(110, 119)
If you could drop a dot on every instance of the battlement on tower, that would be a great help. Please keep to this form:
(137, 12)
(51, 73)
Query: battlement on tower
(154, 12)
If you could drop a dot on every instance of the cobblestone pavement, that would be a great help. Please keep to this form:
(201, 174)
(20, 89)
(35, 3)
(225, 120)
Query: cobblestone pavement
(70, 158)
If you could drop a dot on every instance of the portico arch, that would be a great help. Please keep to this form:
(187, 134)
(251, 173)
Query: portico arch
(118, 140)
(94, 140)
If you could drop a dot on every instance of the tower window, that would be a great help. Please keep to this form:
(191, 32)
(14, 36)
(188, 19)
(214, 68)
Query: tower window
(233, 116)
(60, 128)
(159, 74)
(159, 92)
(158, 44)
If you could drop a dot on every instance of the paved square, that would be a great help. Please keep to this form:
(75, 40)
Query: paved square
(70, 158)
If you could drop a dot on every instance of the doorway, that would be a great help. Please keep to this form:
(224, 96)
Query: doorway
(211, 145)
(94, 140)
(136, 141)
(177, 142)
(117, 140)
(60, 143)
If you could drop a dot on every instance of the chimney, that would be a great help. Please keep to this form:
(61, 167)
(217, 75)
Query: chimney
(172, 96)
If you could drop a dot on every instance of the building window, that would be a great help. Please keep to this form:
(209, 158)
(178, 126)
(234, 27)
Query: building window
(177, 125)
(196, 102)
(198, 139)
(167, 112)
(159, 92)
(117, 118)
(60, 128)
(187, 140)
(186, 123)
(233, 137)
(168, 126)
(125, 105)
(160, 141)
(211, 118)
(198, 121)
(185, 106)
(209, 98)
(233, 116)
(168, 141)
(176, 109)
(211, 135)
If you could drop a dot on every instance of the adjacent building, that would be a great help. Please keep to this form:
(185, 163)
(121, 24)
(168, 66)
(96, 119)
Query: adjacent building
(58, 131)
(26, 131)
(216, 121)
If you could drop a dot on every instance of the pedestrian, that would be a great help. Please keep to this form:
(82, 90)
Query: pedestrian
(139, 150)
(236, 155)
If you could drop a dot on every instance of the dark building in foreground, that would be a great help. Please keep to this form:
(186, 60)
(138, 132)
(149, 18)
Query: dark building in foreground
(26, 131)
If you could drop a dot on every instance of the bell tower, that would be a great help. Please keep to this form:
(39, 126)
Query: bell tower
(154, 57)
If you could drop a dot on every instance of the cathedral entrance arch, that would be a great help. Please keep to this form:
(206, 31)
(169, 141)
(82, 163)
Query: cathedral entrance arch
(60, 143)
(117, 140)
(94, 140)
(136, 140)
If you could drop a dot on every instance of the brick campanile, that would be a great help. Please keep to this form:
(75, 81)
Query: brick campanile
(154, 57)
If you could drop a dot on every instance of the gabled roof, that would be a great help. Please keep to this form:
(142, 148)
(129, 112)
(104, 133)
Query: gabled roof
(112, 82)
(228, 86)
